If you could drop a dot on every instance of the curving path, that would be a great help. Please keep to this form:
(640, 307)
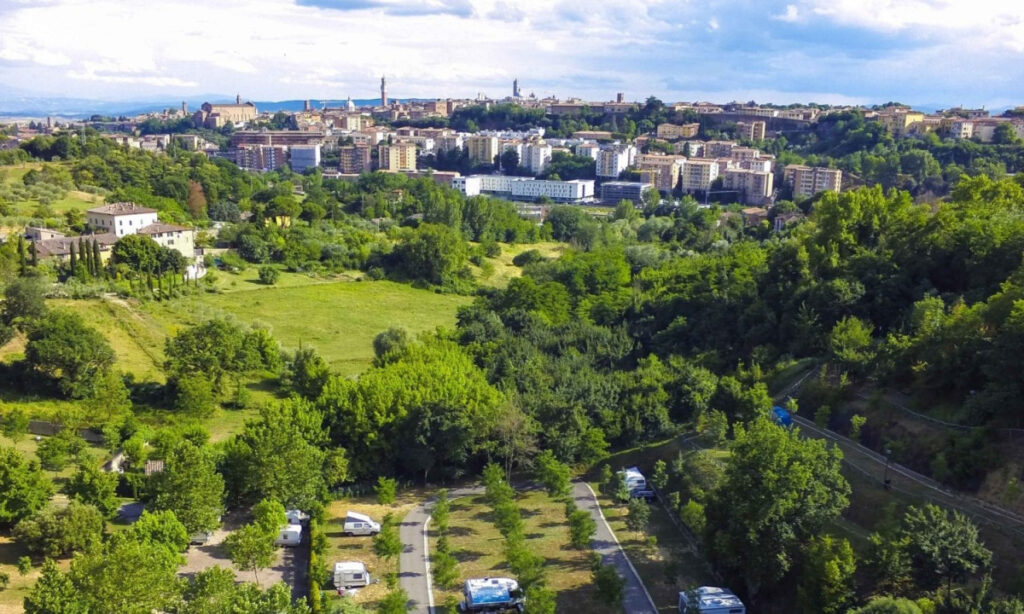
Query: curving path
(414, 561)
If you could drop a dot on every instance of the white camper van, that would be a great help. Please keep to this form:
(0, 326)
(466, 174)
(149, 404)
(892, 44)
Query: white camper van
(291, 535)
(348, 574)
(491, 595)
(710, 600)
(296, 516)
(359, 524)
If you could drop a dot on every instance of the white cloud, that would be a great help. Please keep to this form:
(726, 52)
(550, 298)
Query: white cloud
(154, 80)
(988, 23)
(713, 23)
(791, 15)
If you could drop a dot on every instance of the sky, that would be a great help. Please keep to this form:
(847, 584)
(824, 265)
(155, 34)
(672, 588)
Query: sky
(923, 52)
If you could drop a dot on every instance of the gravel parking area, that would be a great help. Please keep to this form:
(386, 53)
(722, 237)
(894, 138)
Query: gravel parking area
(290, 565)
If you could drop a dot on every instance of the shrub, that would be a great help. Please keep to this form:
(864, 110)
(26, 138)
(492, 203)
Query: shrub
(269, 275)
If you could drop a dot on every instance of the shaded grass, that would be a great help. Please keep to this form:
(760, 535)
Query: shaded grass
(479, 547)
(504, 270)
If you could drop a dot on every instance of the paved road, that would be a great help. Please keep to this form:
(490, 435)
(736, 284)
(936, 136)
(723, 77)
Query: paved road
(414, 562)
(635, 598)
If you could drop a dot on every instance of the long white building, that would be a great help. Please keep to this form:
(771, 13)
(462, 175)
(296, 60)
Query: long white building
(524, 188)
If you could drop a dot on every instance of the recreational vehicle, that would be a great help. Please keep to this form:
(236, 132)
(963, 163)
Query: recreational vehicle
(710, 600)
(350, 574)
(291, 535)
(359, 524)
(491, 595)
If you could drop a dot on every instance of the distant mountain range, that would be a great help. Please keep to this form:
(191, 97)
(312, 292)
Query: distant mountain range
(80, 108)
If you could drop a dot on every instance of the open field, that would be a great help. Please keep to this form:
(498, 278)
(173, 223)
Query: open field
(338, 319)
(504, 270)
(360, 548)
(478, 546)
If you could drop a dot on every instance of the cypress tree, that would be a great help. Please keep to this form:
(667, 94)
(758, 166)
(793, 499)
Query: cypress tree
(22, 264)
(74, 259)
(97, 261)
(85, 256)
(32, 253)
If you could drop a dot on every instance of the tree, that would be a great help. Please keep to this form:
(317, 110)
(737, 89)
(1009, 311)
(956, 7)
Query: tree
(53, 593)
(194, 395)
(23, 487)
(55, 533)
(24, 302)
(160, 528)
(95, 487)
(778, 491)
(251, 549)
(639, 515)
(387, 544)
(15, 424)
(57, 451)
(850, 344)
(190, 487)
(826, 579)
(62, 345)
(395, 602)
(553, 474)
(308, 373)
(582, 528)
(389, 344)
(126, 577)
(888, 605)
(659, 477)
(609, 584)
(274, 457)
(385, 489)
(943, 547)
(270, 516)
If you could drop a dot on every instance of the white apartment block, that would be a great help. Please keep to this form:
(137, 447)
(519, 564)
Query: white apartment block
(524, 188)
(120, 218)
(697, 175)
(614, 159)
(536, 157)
(808, 181)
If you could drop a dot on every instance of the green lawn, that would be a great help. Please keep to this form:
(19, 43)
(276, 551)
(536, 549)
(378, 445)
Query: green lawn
(478, 546)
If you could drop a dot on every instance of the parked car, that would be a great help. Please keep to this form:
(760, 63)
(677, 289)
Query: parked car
(200, 538)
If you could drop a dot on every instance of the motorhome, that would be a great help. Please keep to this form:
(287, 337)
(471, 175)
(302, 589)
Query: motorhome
(350, 574)
(359, 524)
(491, 595)
(636, 483)
(291, 535)
(296, 516)
(710, 600)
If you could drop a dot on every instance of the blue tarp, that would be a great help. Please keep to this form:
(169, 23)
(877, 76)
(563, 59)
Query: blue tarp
(781, 416)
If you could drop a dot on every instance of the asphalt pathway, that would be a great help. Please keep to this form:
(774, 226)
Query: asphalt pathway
(635, 598)
(414, 560)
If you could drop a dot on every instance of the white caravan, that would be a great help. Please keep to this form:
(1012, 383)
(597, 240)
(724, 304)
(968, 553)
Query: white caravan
(291, 535)
(349, 574)
(710, 600)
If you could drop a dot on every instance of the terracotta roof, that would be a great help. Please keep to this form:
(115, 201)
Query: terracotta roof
(160, 228)
(121, 209)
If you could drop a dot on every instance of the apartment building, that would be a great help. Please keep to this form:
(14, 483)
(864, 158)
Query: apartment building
(665, 169)
(750, 131)
(396, 157)
(754, 187)
(614, 191)
(525, 188)
(808, 181)
(354, 159)
(697, 175)
(718, 149)
(613, 159)
(590, 150)
(304, 157)
(536, 156)
(899, 121)
(482, 149)
(120, 218)
(671, 132)
(259, 157)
